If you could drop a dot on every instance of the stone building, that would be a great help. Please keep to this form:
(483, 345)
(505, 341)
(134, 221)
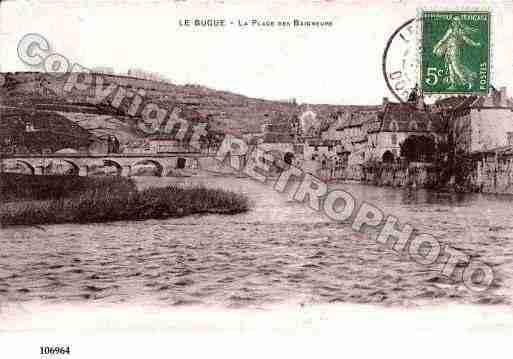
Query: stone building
(494, 169)
(396, 123)
(479, 123)
(316, 148)
(350, 131)
(335, 131)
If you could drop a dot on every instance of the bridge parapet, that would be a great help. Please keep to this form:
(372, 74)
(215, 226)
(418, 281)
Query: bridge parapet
(82, 165)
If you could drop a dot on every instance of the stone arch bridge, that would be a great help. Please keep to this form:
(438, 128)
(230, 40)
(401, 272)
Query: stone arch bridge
(124, 163)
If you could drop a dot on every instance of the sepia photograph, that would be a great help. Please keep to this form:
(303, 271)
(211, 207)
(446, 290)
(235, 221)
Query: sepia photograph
(252, 179)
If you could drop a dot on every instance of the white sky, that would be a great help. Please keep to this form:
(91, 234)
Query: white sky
(339, 65)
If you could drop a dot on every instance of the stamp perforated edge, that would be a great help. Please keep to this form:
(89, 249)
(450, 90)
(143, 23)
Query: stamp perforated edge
(491, 26)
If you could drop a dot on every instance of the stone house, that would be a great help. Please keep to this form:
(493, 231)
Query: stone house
(315, 148)
(350, 131)
(396, 123)
(480, 123)
(494, 169)
(281, 145)
(335, 131)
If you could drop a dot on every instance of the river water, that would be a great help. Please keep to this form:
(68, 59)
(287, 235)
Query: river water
(280, 251)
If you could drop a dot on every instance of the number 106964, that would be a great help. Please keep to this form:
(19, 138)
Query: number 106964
(54, 350)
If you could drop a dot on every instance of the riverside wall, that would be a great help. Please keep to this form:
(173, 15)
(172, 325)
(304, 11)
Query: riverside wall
(489, 175)
(494, 175)
(419, 175)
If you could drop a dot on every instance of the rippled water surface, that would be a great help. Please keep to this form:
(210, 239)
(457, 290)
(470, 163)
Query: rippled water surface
(280, 251)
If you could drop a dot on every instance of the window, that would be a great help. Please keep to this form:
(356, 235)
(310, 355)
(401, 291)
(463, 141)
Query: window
(393, 139)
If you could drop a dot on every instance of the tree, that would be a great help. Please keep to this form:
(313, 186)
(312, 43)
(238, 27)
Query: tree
(388, 157)
(418, 148)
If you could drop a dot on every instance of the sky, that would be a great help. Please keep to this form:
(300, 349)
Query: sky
(337, 65)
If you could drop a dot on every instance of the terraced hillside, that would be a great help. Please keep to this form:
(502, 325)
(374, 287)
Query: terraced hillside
(224, 111)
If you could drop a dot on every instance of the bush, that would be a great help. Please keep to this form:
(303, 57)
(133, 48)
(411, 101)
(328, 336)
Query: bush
(114, 199)
(418, 148)
(15, 186)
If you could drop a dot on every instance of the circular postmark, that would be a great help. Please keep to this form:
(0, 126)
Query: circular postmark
(400, 66)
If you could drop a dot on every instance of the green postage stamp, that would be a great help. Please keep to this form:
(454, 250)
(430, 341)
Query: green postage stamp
(455, 52)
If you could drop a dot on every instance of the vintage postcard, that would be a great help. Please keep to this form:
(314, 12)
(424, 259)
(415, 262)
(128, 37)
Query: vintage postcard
(275, 179)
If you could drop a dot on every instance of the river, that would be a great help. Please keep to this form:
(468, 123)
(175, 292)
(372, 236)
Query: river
(279, 252)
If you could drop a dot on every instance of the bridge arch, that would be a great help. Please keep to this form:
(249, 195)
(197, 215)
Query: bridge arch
(112, 163)
(31, 169)
(74, 166)
(181, 162)
(157, 165)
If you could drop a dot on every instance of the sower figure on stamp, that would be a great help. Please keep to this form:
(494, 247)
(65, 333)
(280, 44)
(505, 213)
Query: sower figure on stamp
(451, 48)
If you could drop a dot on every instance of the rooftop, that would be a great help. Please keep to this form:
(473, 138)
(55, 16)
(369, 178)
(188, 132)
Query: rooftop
(496, 99)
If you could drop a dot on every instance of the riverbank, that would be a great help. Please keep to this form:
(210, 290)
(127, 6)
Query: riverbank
(414, 175)
(30, 200)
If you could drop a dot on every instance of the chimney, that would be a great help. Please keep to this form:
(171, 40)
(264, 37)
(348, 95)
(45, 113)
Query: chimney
(503, 96)
(385, 100)
(420, 103)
